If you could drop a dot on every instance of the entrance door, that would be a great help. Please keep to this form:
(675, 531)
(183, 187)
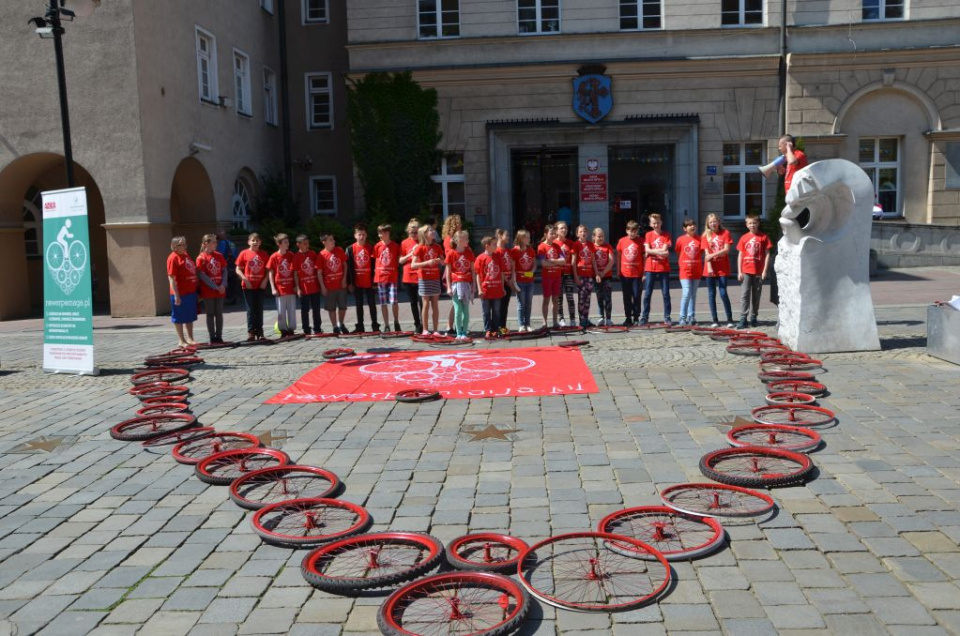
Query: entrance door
(544, 183)
(642, 182)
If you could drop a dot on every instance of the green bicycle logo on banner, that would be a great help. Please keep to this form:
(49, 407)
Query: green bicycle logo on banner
(66, 260)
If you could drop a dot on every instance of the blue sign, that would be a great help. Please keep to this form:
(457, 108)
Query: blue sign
(593, 97)
(711, 170)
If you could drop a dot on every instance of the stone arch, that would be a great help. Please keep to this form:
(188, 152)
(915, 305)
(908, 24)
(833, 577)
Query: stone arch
(927, 104)
(193, 210)
(243, 199)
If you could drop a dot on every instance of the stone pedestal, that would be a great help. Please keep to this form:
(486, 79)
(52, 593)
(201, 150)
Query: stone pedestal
(943, 333)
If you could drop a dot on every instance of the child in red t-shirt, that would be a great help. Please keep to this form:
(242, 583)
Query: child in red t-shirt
(656, 245)
(212, 272)
(754, 258)
(252, 270)
(606, 260)
(360, 277)
(283, 282)
(452, 227)
(567, 282)
(690, 264)
(490, 283)
(410, 279)
(630, 255)
(308, 287)
(332, 263)
(552, 261)
(387, 259)
(524, 260)
(460, 281)
(509, 276)
(182, 275)
(584, 266)
(428, 260)
(716, 267)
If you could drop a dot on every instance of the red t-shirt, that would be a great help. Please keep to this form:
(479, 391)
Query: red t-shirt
(585, 253)
(524, 262)
(631, 257)
(566, 247)
(426, 253)
(448, 244)
(461, 265)
(409, 275)
(753, 248)
(306, 264)
(690, 262)
(254, 266)
(490, 274)
(604, 255)
(550, 251)
(719, 240)
(183, 270)
(387, 256)
(362, 256)
(657, 242)
(333, 264)
(503, 253)
(792, 168)
(283, 266)
(214, 267)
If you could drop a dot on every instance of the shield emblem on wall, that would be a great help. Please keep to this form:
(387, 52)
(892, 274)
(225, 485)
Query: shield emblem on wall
(593, 97)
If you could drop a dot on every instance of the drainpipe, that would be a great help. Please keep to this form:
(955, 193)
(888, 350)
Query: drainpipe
(285, 98)
(782, 72)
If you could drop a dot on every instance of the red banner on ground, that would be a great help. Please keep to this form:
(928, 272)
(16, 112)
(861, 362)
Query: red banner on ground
(486, 373)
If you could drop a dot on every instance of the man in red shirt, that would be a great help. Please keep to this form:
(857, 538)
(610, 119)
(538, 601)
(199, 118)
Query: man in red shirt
(754, 249)
(333, 281)
(656, 245)
(489, 281)
(630, 255)
(795, 160)
(305, 263)
(360, 277)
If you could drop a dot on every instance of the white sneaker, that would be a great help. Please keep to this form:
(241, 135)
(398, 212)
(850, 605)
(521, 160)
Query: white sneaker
(563, 322)
(715, 325)
(426, 332)
(731, 325)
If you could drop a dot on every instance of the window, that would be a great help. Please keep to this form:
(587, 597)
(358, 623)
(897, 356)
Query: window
(880, 159)
(241, 82)
(242, 204)
(883, 9)
(323, 195)
(449, 187)
(741, 12)
(538, 16)
(319, 101)
(31, 223)
(207, 66)
(267, 5)
(315, 11)
(270, 97)
(439, 18)
(640, 14)
(742, 182)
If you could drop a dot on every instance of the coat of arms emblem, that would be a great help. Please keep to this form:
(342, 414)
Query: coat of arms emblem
(593, 96)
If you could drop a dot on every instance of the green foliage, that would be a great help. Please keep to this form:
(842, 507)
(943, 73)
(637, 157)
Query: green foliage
(319, 225)
(275, 201)
(394, 132)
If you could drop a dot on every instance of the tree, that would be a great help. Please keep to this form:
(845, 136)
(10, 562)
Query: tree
(394, 130)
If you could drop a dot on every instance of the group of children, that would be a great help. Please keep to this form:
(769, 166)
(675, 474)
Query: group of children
(424, 264)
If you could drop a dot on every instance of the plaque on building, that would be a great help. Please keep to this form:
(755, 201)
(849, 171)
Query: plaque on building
(592, 94)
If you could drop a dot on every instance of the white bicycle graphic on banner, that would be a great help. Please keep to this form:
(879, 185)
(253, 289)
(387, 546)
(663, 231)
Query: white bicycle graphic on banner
(66, 261)
(446, 368)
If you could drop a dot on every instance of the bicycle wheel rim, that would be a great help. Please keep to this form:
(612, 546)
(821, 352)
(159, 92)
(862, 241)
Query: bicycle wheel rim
(261, 488)
(603, 330)
(579, 571)
(793, 415)
(221, 469)
(722, 335)
(799, 386)
(791, 364)
(791, 438)
(677, 535)
(182, 361)
(477, 603)
(574, 343)
(678, 328)
(194, 451)
(717, 500)
(416, 395)
(169, 391)
(138, 429)
(753, 466)
(163, 407)
(779, 376)
(389, 335)
(485, 551)
(348, 565)
(309, 522)
(161, 374)
(776, 355)
(333, 354)
(790, 397)
(754, 349)
(178, 437)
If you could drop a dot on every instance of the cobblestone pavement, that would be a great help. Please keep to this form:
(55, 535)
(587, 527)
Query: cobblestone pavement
(101, 537)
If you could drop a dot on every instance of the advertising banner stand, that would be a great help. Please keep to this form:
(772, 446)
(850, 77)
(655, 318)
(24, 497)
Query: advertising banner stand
(67, 284)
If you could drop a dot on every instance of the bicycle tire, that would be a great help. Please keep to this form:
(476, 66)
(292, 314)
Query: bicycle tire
(178, 352)
(194, 451)
(776, 376)
(469, 342)
(753, 349)
(256, 490)
(679, 328)
(604, 330)
(703, 331)
(608, 580)
(564, 331)
(792, 438)
(800, 386)
(215, 345)
(480, 603)
(485, 552)
(147, 388)
(340, 352)
(523, 335)
(410, 555)
(677, 535)
(753, 467)
(775, 355)
(789, 397)
(793, 415)
(716, 500)
(220, 469)
(722, 335)
(297, 523)
(756, 340)
(185, 361)
(574, 343)
(791, 364)
(159, 408)
(390, 335)
(416, 395)
(139, 429)
(176, 437)
(161, 374)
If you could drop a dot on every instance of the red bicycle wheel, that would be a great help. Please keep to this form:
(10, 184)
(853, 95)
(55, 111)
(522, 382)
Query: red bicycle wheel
(272, 485)
(474, 603)
(177, 437)
(604, 329)
(416, 395)
(159, 408)
(300, 523)
(704, 331)
(777, 355)
(717, 500)
(139, 429)
(221, 469)
(790, 397)
(575, 343)
(485, 551)
(752, 349)
(180, 361)
(791, 364)
(179, 352)
(677, 535)
(370, 561)
(679, 328)
(161, 374)
(193, 451)
(580, 571)
(798, 386)
(333, 354)
(146, 388)
(756, 340)
(791, 438)
(446, 344)
(722, 335)
(793, 415)
(777, 376)
(314, 336)
(390, 335)
(753, 466)
(166, 390)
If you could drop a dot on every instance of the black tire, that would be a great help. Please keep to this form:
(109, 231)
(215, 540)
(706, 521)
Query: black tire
(469, 552)
(416, 395)
(139, 429)
(801, 467)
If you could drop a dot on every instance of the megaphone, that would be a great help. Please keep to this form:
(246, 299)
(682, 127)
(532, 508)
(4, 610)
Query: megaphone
(771, 167)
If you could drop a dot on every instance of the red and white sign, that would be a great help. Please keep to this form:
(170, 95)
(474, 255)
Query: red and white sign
(593, 187)
(455, 374)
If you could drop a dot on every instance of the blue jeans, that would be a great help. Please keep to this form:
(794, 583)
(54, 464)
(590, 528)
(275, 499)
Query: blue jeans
(649, 278)
(713, 282)
(491, 313)
(688, 302)
(524, 303)
(631, 297)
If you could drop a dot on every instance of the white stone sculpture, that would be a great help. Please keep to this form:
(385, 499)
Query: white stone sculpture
(823, 261)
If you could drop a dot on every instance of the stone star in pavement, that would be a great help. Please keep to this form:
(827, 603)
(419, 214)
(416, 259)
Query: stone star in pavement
(268, 438)
(735, 422)
(491, 432)
(43, 444)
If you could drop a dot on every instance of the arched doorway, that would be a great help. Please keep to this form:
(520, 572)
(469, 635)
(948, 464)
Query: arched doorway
(193, 211)
(21, 235)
